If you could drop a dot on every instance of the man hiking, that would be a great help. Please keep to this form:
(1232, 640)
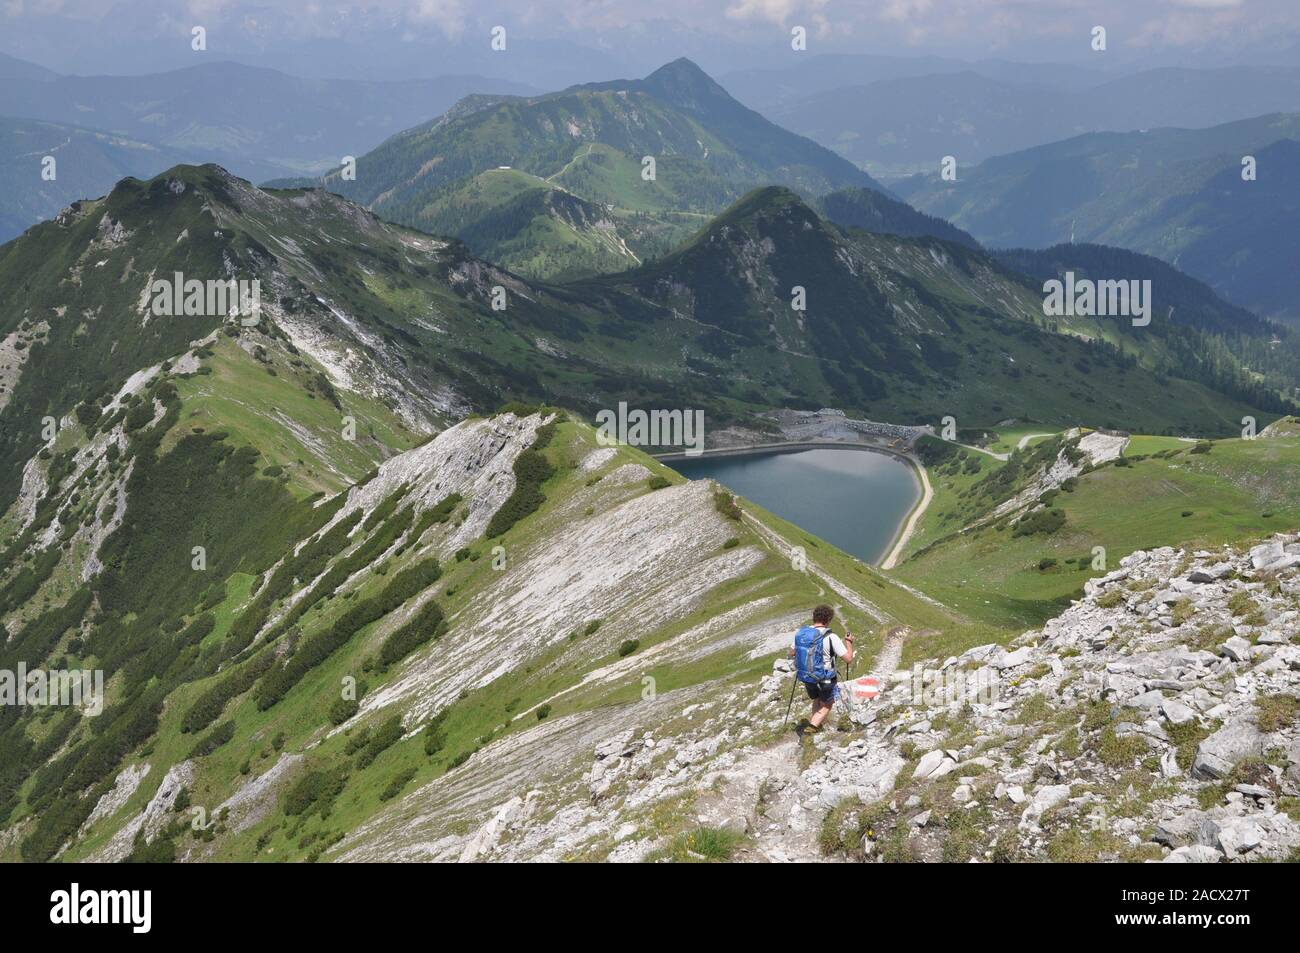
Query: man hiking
(814, 651)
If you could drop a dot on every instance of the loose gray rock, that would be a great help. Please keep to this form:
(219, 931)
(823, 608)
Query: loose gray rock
(1218, 754)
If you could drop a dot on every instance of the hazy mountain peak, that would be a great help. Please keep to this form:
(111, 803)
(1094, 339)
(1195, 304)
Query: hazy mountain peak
(683, 75)
(685, 86)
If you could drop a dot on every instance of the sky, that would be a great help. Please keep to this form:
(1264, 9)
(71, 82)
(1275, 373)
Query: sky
(588, 38)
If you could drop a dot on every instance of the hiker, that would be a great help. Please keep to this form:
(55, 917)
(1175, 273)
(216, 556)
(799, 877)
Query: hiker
(814, 651)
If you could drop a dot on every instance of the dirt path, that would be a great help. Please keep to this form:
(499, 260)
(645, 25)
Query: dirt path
(891, 653)
(765, 794)
(1024, 441)
(1004, 457)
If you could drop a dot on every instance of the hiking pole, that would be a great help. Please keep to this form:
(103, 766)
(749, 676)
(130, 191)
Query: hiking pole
(846, 693)
(793, 681)
(847, 678)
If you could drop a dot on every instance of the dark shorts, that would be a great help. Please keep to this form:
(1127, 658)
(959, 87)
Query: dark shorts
(828, 692)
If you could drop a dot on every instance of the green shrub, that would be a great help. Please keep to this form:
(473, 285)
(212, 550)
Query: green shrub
(426, 625)
(315, 792)
(208, 707)
(399, 781)
(314, 650)
(1275, 712)
(214, 739)
(384, 737)
(435, 733)
(1044, 522)
(702, 845)
(725, 504)
(532, 469)
(342, 709)
(628, 647)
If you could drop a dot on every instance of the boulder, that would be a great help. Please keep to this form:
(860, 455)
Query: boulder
(1257, 791)
(1049, 796)
(929, 763)
(1180, 830)
(1005, 660)
(1217, 754)
(1237, 649)
(617, 746)
(1176, 712)
(1210, 573)
(1147, 700)
(1266, 553)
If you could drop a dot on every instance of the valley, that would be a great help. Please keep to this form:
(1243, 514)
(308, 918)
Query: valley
(365, 579)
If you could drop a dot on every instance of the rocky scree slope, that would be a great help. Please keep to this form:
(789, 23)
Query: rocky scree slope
(1156, 719)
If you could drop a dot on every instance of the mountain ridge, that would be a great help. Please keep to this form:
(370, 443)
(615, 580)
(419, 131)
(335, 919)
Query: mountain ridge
(655, 150)
(1177, 194)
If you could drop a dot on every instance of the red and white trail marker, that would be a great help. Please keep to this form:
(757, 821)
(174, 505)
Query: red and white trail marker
(864, 689)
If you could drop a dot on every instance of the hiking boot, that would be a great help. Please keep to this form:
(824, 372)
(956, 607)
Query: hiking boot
(806, 729)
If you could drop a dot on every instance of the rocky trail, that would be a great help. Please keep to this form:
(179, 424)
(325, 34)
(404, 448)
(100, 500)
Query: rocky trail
(1155, 720)
(765, 794)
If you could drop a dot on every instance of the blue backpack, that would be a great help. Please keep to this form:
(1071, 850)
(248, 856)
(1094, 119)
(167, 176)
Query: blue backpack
(810, 656)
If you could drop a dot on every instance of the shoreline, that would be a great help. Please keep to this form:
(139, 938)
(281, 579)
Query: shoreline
(907, 523)
(907, 527)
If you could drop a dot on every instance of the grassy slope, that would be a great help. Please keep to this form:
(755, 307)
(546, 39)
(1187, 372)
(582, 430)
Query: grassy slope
(1239, 491)
(1232, 485)
(300, 718)
(242, 395)
(234, 393)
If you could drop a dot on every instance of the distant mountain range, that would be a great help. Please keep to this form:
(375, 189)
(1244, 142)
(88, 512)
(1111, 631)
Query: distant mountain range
(1177, 194)
(874, 211)
(87, 162)
(900, 124)
(557, 186)
(1201, 335)
(12, 68)
(259, 122)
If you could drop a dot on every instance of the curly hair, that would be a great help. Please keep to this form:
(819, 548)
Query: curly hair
(822, 615)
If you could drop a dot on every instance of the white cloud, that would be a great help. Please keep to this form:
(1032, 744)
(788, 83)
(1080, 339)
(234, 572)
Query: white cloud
(447, 15)
(901, 11)
(773, 11)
